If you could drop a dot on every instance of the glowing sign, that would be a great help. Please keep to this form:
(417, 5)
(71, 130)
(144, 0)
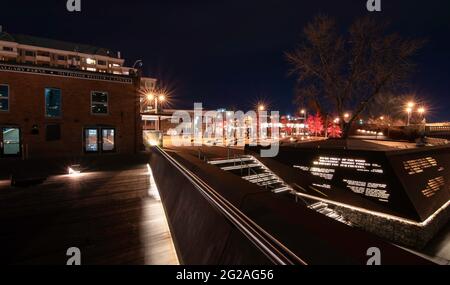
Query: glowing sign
(369, 189)
(419, 165)
(433, 186)
(358, 164)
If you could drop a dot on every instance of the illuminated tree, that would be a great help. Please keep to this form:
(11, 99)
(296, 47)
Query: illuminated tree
(346, 71)
(315, 124)
(334, 131)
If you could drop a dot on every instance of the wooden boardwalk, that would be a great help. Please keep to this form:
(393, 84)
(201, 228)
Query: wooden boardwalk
(112, 216)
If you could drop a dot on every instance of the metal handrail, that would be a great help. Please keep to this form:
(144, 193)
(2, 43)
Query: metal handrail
(272, 248)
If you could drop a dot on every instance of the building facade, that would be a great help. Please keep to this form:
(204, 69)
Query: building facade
(52, 109)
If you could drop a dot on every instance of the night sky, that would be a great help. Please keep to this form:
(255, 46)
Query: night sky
(230, 53)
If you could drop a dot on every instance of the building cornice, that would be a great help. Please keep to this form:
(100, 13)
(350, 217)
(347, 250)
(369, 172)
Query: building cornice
(68, 73)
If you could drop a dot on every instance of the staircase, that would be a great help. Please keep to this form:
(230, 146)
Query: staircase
(251, 169)
(322, 208)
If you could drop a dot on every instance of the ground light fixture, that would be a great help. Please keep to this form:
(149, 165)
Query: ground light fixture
(74, 169)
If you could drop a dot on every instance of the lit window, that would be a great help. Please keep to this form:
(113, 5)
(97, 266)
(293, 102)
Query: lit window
(99, 103)
(91, 140)
(52, 102)
(91, 69)
(90, 61)
(108, 140)
(4, 98)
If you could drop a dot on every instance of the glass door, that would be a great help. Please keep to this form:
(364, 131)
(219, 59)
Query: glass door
(99, 140)
(10, 142)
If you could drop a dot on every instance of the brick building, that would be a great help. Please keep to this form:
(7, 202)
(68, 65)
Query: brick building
(54, 111)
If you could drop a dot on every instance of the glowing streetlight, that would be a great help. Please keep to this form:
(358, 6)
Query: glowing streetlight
(410, 105)
(409, 112)
(346, 115)
(382, 118)
(156, 99)
(261, 107)
(421, 110)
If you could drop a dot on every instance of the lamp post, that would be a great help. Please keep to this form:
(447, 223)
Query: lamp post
(261, 108)
(304, 115)
(409, 109)
(157, 99)
(422, 111)
(423, 123)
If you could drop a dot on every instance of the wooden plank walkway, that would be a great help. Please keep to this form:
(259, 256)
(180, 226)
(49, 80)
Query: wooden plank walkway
(112, 216)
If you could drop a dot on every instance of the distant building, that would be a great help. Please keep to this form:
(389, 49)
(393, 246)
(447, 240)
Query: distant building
(30, 50)
(60, 99)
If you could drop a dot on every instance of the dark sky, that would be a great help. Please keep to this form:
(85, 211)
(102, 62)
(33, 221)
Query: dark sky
(230, 53)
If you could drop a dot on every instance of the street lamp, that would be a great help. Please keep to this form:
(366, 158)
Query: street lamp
(261, 108)
(422, 112)
(157, 99)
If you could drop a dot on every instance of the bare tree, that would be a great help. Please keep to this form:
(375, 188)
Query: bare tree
(347, 71)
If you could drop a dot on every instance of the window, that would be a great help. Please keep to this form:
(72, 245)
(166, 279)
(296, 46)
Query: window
(90, 61)
(52, 102)
(8, 49)
(29, 53)
(4, 98)
(101, 62)
(108, 140)
(91, 140)
(43, 53)
(99, 103)
(98, 140)
(53, 132)
(61, 57)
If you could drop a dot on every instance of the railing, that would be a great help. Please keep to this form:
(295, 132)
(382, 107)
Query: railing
(274, 250)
